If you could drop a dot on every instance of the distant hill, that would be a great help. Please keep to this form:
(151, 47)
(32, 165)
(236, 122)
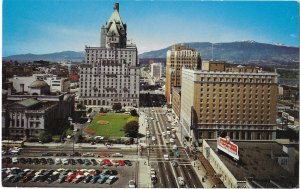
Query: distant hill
(242, 52)
(52, 57)
(238, 52)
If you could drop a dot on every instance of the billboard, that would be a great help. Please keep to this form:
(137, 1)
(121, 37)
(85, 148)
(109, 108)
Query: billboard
(225, 145)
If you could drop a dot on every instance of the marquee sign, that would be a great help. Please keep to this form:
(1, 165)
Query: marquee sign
(225, 145)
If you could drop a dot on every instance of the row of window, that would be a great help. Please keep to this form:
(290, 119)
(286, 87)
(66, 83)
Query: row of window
(240, 80)
(111, 95)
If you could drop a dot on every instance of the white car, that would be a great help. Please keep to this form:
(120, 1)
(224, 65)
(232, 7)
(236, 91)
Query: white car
(153, 138)
(69, 136)
(14, 160)
(65, 161)
(131, 184)
(168, 132)
(152, 172)
(57, 161)
(148, 132)
(166, 157)
(175, 147)
(181, 181)
(163, 133)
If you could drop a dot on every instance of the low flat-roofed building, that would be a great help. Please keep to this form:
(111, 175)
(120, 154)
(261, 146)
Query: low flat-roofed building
(262, 164)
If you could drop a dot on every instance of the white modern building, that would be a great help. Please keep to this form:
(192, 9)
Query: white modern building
(111, 72)
(57, 84)
(156, 70)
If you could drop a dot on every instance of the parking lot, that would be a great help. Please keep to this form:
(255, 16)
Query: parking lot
(122, 170)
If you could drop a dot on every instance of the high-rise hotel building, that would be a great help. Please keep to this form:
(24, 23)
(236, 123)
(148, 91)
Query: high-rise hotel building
(179, 56)
(111, 72)
(238, 101)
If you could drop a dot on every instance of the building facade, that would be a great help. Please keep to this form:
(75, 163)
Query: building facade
(111, 72)
(179, 56)
(155, 70)
(28, 115)
(241, 105)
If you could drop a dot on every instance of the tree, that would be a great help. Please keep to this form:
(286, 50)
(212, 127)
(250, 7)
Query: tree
(89, 110)
(133, 112)
(45, 137)
(101, 110)
(81, 106)
(117, 107)
(132, 129)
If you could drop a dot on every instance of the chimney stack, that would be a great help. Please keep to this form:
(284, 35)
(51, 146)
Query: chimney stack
(116, 7)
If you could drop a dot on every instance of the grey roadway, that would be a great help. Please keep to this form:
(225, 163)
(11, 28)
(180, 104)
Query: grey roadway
(167, 174)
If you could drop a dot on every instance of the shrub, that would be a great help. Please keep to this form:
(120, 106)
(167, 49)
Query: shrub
(32, 139)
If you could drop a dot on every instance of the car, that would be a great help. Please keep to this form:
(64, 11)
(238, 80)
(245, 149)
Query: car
(75, 154)
(95, 179)
(115, 162)
(175, 147)
(168, 132)
(128, 162)
(153, 138)
(72, 162)
(117, 155)
(8, 178)
(181, 181)
(111, 179)
(23, 160)
(36, 161)
(80, 161)
(65, 161)
(153, 179)
(94, 162)
(152, 172)
(88, 179)
(36, 178)
(70, 177)
(57, 161)
(50, 161)
(121, 162)
(43, 161)
(16, 178)
(15, 160)
(29, 161)
(88, 155)
(102, 179)
(166, 157)
(163, 133)
(131, 184)
(174, 163)
(69, 136)
(106, 162)
(78, 179)
(87, 162)
(47, 154)
(8, 160)
(61, 178)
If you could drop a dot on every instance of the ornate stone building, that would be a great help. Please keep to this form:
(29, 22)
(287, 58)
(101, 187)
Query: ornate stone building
(111, 72)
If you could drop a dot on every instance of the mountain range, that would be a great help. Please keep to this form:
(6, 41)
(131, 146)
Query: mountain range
(237, 52)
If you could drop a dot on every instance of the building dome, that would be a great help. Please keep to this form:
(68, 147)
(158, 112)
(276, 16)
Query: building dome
(38, 84)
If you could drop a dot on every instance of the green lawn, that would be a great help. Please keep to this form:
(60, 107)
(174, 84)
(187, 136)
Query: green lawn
(113, 128)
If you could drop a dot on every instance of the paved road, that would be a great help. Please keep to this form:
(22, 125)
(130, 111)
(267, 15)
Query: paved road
(167, 174)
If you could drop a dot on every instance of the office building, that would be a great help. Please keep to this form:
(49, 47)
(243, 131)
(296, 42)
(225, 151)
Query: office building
(179, 56)
(155, 71)
(239, 102)
(111, 72)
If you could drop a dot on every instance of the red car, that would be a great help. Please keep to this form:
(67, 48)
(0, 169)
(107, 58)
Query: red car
(79, 173)
(121, 162)
(106, 162)
(70, 178)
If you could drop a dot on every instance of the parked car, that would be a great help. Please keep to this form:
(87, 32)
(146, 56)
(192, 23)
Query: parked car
(95, 179)
(88, 155)
(87, 162)
(174, 163)
(47, 154)
(106, 162)
(57, 161)
(75, 154)
(94, 162)
(80, 161)
(15, 160)
(102, 179)
(121, 162)
(111, 179)
(115, 162)
(128, 162)
(131, 184)
(117, 155)
(181, 181)
(166, 157)
(88, 179)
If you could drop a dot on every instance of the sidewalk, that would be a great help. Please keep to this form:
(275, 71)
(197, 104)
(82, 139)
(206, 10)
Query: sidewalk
(143, 175)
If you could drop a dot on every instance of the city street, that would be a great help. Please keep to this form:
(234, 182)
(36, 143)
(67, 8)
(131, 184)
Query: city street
(166, 173)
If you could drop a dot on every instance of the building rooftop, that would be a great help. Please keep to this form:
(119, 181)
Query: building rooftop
(38, 84)
(258, 163)
(28, 102)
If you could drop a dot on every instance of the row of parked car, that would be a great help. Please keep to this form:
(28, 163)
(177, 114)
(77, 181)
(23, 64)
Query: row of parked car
(60, 175)
(75, 154)
(65, 161)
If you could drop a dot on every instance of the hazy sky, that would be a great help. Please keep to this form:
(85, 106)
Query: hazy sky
(45, 26)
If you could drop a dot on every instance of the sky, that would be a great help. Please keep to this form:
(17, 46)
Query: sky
(46, 26)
